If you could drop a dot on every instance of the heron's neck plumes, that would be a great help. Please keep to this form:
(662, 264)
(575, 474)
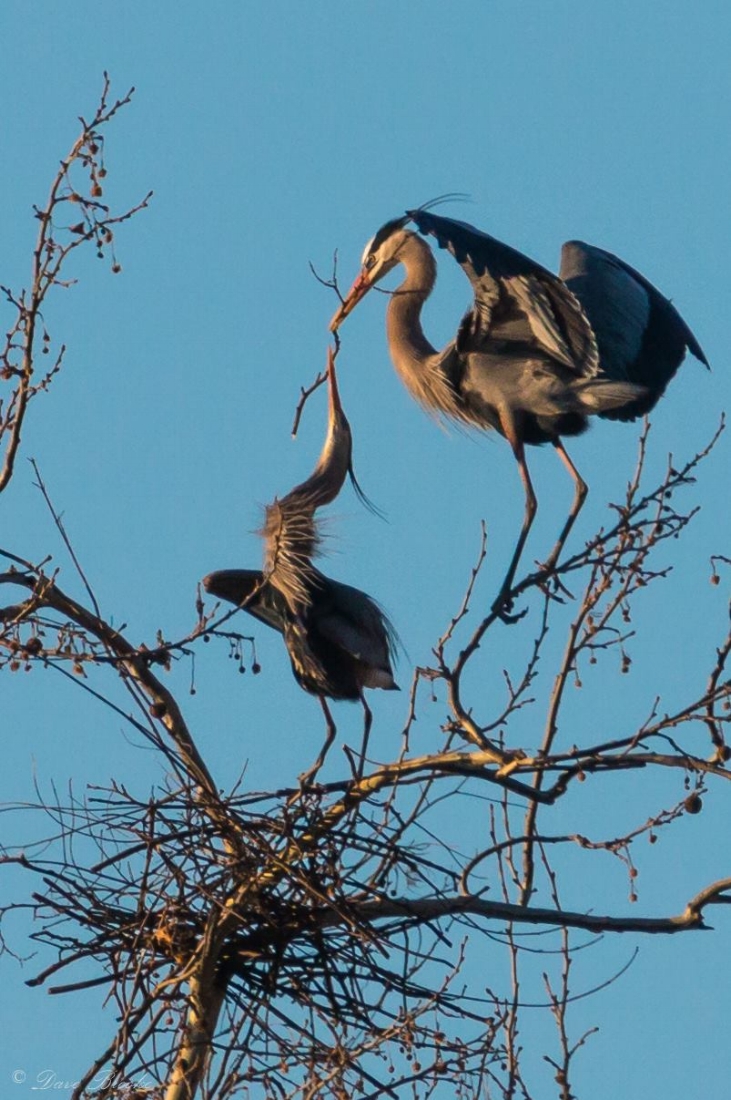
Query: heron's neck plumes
(415, 359)
(291, 539)
(291, 534)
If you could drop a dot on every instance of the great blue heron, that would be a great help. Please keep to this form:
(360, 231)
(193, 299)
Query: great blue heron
(338, 639)
(537, 353)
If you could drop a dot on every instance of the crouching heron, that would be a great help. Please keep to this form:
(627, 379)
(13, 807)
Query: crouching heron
(338, 639)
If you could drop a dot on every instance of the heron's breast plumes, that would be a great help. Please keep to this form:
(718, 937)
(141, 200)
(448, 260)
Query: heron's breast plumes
(291, 540)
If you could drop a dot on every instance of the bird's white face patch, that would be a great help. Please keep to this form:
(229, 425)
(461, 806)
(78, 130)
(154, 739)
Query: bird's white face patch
(367, 250)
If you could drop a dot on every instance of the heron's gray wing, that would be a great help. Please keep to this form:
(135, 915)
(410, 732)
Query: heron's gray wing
(237, 585)
(352, 620)
(516, 299)
(640, 335)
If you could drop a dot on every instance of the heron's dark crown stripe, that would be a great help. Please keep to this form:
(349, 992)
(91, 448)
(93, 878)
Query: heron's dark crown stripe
(386, 231)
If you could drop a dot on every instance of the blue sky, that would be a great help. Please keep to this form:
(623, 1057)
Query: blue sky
(273, 134)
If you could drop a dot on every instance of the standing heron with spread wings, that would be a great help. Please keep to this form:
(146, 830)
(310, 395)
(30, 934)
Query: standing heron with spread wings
(338, 639)
(537, 353)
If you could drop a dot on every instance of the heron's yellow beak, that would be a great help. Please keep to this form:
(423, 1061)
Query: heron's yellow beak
(358, 290)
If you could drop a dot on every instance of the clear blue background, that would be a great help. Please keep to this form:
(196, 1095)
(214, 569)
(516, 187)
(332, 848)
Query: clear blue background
(273, 134)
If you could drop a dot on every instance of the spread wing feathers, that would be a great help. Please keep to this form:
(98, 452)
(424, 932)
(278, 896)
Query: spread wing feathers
(640, 335)
(238, 586)
(515, 297)
(339, 630)
(317, 666)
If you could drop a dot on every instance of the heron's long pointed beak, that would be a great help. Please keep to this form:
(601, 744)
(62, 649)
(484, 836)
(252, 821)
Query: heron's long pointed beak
(335, 407)
(358, 290)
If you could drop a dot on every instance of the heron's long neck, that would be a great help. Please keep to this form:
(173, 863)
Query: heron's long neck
(290, 528)
(408, 345)
(328, 477)
(415, 359)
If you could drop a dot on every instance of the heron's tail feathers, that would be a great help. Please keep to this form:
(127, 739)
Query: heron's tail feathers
(599, 395)
(379, 678)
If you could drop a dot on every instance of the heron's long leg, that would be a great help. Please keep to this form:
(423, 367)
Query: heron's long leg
(531, 507)
(307, 778)
(367, 723)
(357, 768)
(580, 492)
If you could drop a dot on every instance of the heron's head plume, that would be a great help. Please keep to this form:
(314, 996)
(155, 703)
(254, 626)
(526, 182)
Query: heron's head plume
(440, 200)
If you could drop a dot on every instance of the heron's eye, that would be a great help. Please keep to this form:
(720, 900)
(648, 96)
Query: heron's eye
(369, 261)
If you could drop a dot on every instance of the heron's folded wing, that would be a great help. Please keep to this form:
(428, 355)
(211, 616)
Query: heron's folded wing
(355, 622)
